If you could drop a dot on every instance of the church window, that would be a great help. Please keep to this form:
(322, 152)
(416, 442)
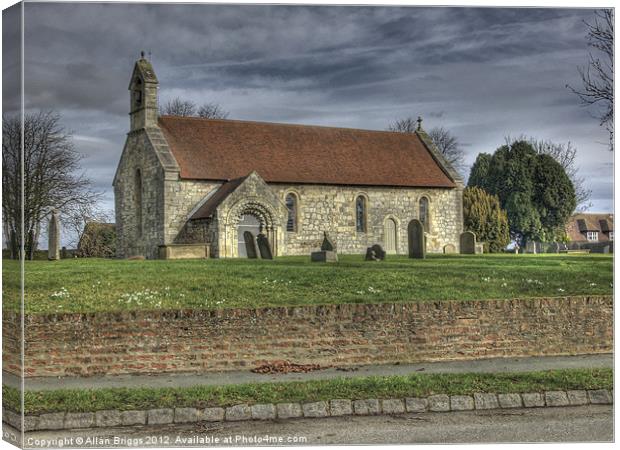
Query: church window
(138, 202)
(360, 214)
(291, 205)
(424, 213)
(137, 93)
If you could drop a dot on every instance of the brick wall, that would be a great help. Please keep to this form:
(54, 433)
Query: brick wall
(198, 340)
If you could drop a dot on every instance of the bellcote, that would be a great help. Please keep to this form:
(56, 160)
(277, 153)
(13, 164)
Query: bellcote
(143, 107)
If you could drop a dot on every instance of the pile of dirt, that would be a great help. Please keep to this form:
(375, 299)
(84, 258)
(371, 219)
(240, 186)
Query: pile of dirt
(287, 367)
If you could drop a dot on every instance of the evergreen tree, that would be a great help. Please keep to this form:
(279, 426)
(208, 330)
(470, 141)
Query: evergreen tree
(483, 215)
(479, 170)
(533, 188)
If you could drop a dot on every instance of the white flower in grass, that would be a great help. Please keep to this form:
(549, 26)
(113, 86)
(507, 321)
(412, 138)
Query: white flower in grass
(62, 293)
(560, 290)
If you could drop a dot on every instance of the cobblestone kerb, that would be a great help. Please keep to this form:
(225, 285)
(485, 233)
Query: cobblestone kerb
(332, 408)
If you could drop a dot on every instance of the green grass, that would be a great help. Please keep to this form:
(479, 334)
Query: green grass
(87, 285)
(415, 385)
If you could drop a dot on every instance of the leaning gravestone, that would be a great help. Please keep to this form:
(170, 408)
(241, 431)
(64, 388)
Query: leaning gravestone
(250, 245)
(375, 253)
(53, 238)
(468, 243)
(417, 241)
(263, 246)
(327, 252)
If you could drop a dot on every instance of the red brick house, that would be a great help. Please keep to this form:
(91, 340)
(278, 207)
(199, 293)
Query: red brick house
(590, 228)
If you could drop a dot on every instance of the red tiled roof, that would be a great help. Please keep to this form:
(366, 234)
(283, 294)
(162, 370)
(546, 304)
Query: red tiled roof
(579, 224)
(280, 153)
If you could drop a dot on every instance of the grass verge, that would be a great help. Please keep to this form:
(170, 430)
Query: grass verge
(91, 285)
(415, 385)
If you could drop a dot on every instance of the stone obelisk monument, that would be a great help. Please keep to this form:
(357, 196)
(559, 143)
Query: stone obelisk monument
(53, 238)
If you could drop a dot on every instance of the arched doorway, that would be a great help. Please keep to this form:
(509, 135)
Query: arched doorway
(247, 222)
(389, 229)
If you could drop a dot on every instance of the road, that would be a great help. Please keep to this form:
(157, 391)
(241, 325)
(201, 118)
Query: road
(569, 424)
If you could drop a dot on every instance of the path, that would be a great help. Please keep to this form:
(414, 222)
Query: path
(219, 378)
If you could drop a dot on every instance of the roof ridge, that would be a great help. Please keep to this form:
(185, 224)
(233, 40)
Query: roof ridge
(282, 123)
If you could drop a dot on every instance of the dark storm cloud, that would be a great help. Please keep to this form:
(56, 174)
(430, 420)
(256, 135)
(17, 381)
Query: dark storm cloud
(483, 73)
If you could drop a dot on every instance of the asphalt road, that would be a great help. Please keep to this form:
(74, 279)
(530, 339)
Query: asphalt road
(593, 423)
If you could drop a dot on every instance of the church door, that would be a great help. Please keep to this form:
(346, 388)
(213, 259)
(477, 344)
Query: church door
(248, 222)
(390, 236)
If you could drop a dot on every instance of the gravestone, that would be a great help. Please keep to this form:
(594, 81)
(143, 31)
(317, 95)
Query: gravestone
(417, 240)
(328, 245)
(263, 246)
(250, 245)
(449, 248)
(327, 252)
(467, 243)
(53, 238)
(479, 248)
(375, 253)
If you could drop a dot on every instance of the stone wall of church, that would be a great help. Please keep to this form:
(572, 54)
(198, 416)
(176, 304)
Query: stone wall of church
(133, 240)
(181, 199)
(325, 208)
(332, 209)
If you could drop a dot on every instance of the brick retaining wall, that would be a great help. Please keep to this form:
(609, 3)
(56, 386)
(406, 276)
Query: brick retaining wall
(229, 339)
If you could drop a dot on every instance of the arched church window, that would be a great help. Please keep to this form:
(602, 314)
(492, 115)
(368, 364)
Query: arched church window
(137, 93)
(138, 202)
(291, 204)
(424, 213)
(360, 214)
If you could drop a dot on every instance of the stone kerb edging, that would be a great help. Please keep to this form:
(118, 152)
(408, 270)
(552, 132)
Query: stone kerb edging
(331, 408)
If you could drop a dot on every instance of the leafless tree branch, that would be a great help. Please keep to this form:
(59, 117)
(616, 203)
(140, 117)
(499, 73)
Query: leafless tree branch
(51, 177)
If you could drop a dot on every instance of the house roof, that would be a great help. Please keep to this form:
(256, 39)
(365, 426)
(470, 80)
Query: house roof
(224, 150)
(579, 224)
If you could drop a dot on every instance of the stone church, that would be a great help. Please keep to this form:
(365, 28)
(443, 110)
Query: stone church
(192, 187)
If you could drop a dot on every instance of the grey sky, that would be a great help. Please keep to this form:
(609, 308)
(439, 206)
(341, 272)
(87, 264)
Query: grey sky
(483, 73)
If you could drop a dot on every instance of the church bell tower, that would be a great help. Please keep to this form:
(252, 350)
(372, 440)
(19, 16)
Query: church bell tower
(143, 87)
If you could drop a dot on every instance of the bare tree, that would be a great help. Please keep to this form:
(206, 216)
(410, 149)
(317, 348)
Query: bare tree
(448, 146)
(187, 108)
(50, 177)
(75, 222)
(178, 107)
(445, 142)
(212, 111)
(407, 125)
(565, 155)
(598, 76)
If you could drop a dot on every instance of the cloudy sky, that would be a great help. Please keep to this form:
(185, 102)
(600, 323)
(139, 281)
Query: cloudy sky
(483, 73)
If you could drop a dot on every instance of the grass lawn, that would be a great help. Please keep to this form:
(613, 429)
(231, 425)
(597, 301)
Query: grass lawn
(415, 385)
(86, 285)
